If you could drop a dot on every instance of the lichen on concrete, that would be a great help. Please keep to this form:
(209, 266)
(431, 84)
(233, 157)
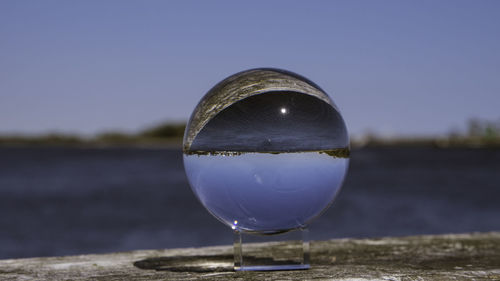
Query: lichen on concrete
(441, 257)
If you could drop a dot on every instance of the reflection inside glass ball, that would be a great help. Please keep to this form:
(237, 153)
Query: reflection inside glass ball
(266, 151)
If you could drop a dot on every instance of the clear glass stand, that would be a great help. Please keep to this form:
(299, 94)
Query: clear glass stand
(286, 251)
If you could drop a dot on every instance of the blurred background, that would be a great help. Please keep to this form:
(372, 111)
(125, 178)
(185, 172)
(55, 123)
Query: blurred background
(94, 96)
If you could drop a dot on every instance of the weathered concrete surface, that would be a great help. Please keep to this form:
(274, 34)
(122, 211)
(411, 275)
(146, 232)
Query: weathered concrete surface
(444, 257)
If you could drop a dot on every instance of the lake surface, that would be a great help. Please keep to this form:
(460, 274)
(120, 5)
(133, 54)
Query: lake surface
(65, 201)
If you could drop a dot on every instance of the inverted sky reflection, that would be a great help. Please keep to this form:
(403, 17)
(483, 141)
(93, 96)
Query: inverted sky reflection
(263, 191)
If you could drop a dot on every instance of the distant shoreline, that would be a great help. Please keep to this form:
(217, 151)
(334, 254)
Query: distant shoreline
(163, 135)
(443, 142)
(132, 143)
(171, 135)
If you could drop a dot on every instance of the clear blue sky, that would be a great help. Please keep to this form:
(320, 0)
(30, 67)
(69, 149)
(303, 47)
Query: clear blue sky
(393, 67)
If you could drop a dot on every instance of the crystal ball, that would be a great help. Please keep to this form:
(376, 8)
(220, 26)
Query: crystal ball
(266, 151)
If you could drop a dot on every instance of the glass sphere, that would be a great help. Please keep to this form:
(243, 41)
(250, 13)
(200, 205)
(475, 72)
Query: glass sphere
(266, 151)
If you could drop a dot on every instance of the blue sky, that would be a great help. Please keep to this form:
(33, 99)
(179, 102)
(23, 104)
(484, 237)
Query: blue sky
(393, 67)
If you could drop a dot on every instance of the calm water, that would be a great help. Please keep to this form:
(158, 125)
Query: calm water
(264, 192)
(61, 201)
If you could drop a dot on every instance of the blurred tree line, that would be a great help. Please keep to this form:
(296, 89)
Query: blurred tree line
(478, 133)
(165, 133)
(166, 130)
(478, 128)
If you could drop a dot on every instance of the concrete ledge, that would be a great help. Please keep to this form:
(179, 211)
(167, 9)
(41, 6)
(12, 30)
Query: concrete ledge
(441, 257)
